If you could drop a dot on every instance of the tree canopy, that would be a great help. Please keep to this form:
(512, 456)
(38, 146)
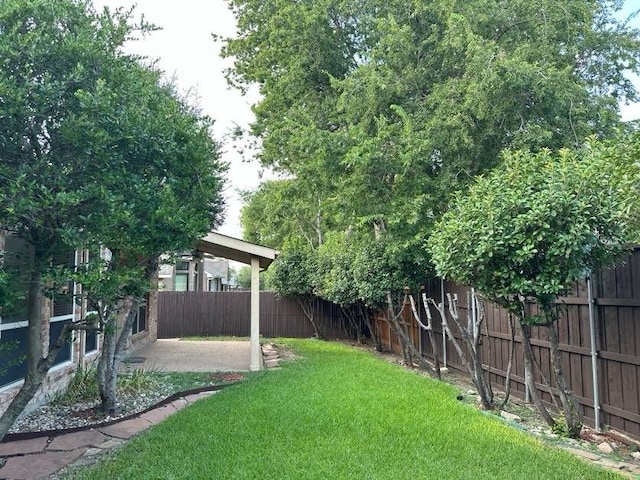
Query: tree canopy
(379, 111)
(532, 227)
(539, 222)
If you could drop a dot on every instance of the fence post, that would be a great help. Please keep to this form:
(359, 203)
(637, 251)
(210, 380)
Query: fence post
(594, 356)
(444, 334)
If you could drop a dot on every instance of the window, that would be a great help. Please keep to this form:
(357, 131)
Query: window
(13, 321)
(182, 266)
(182, 282)
(91, 341)
(140, 323)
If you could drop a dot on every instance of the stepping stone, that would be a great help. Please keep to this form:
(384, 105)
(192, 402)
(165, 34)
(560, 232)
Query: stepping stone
(584, 454)
(179, 404)
(34, 445)
(111, 443)
(159, 414)
(71, 441)
(41, 465)
(126, 429)
(198, 396)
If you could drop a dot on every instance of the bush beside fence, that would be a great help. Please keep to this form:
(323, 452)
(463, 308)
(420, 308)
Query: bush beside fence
(616, 318)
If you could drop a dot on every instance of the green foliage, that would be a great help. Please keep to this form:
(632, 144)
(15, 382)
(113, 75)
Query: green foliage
(82, 387)
(281, 209)
(97, 151)
(294, 273)
(560, 428)
(138, 380)
(538, 222)
(243, 277)
(376, 112)
(338, 413)
(336, 271)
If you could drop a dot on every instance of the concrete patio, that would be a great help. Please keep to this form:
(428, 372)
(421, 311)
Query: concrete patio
(176, 355)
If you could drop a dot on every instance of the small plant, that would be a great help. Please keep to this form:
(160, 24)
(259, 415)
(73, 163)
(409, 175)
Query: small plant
(138, 381)
(560, 428)
(82, 387)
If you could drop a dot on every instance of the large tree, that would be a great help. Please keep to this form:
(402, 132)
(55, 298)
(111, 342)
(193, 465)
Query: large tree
(165, 185)
(384, 109)
(50, 53)
(93, 147)
(533, 226)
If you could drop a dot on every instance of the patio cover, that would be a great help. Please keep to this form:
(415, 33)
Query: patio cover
(259, 257)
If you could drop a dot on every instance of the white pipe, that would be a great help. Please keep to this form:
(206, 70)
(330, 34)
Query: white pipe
(474, 318)
(594, 356)
(444, 334)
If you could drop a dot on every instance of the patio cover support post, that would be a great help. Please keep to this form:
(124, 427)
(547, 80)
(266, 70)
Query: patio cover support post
(256, 358)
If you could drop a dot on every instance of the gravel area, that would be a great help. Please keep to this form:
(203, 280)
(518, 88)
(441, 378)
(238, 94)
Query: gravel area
(57, 417)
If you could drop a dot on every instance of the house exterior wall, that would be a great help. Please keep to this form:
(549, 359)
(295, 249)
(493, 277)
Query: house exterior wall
(150, 333)
(59, 375)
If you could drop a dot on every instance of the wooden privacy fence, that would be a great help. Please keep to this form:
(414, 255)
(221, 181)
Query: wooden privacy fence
(183, 314)
(614, 325)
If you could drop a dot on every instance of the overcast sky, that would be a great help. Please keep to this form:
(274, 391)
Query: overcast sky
(184, 49)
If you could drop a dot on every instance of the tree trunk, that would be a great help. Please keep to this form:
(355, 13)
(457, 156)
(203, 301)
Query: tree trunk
(112, 352)
(306, 303)
(408, 348)
(366, 315)
(528, 374)
(35, 298)
(436, 357)
(350, 315)
(106, 386)
(474, 367)
(35, 374)
(572, 415)
(32, 382)
(512, 350)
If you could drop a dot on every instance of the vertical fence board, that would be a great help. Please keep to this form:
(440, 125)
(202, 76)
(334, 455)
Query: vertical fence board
(182, 314)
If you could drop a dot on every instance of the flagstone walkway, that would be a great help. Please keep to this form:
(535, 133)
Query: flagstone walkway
(43, 456)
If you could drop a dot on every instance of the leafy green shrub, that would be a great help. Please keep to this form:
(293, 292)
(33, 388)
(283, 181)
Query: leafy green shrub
(560, 428)
(82, 387)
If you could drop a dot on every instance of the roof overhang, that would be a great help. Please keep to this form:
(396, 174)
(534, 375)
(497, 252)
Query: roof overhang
(232, 248)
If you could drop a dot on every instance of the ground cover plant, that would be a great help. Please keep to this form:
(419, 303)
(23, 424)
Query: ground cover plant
(337, 412)
(83, 386)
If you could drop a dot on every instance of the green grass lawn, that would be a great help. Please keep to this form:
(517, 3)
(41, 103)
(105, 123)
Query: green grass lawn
(337, 413)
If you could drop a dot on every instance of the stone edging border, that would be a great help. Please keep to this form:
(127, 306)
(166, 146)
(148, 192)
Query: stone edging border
(12, 437)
